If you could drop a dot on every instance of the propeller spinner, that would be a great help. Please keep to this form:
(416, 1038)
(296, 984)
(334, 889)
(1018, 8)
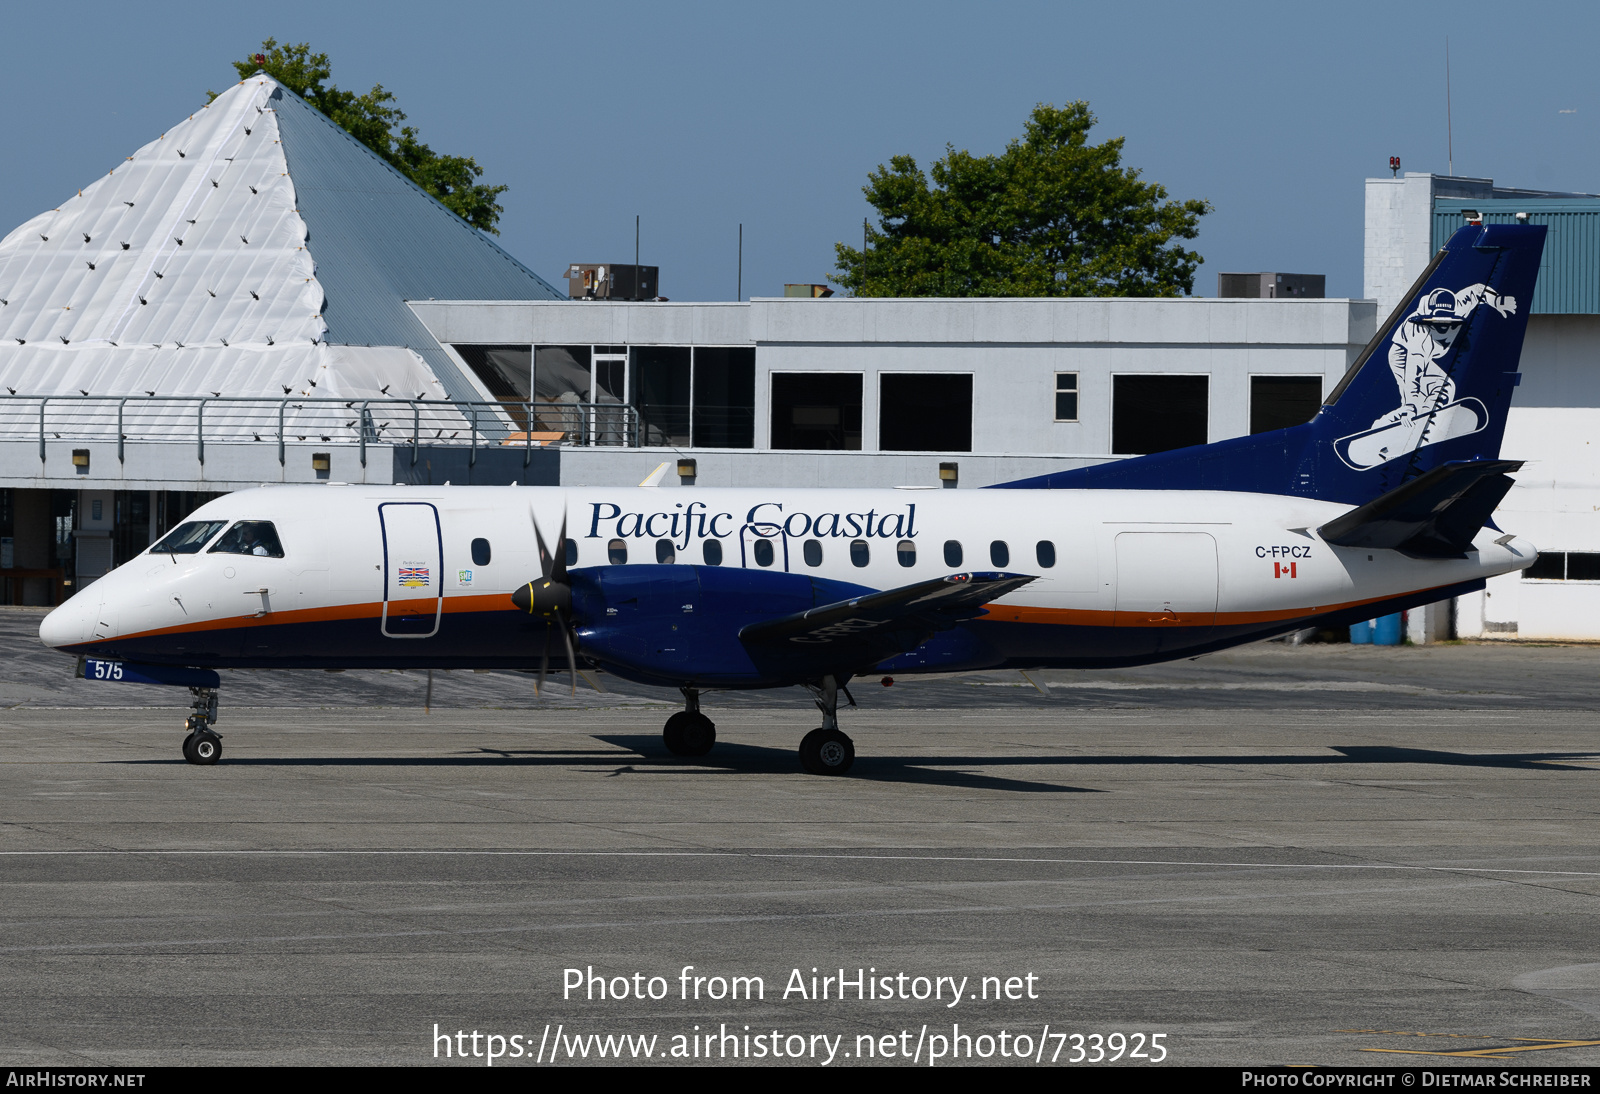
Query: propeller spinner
(549, 597)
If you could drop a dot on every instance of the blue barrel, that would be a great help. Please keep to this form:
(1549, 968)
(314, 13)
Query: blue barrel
(1386, 630)
(1361, 633)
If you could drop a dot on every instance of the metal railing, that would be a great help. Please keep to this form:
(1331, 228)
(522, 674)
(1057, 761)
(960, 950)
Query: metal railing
(222, 419)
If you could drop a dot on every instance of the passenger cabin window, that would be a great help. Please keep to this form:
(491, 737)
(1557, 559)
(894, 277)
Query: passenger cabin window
(665, 552)
(952, 552)
(480, 552)
(188, 538)
(905, 553)
(250, 537)
(572, 552)
(763, 552)
(1045, 552)
(999, 553)
(860, 553)
(617, 550)
(813, 552)
(712, 552)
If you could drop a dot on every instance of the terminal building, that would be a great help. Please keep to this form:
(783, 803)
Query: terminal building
(256, 298)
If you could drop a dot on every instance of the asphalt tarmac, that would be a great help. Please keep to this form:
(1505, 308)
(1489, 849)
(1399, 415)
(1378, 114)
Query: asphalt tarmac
(1279, 855)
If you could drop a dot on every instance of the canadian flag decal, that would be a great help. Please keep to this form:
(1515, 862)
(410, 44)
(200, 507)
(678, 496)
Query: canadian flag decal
(1280, 569)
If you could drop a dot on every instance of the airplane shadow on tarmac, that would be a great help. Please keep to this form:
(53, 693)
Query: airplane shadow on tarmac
(743, 759)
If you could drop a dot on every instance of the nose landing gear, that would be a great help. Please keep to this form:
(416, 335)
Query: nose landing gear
(203, 745)
(827, 751)
(688, 732)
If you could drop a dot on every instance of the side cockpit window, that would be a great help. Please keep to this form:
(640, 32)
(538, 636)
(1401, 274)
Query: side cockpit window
(250, 537)
(188, 538)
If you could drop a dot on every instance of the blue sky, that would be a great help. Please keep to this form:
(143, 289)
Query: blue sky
(701, 116)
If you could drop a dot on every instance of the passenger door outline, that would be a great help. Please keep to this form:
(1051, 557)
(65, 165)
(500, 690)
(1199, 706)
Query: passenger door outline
(413, 541)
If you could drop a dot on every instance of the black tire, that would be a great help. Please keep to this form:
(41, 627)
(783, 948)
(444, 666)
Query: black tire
(689, 733)
(207, 748)
(827, 752)
(188, 749)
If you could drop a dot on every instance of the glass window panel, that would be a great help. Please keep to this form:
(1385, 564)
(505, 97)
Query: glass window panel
(925, 412)
(188, 538)
(572, 552)
(617, 551)
(1583, 566)
(1157, 413)
(999, 553)
(712, 552)
(1066, 396)
(905, 552)
(250, 537)
(952, 552)
(860, 553)
(813, 552)
(1045, 552)
(1277, 402)
(1549, 566)
(763, 552)
(665, 552)
(480, 552)
(506, 372)
(659, 389)
(561, 381)
(816, 410)
(724, 397)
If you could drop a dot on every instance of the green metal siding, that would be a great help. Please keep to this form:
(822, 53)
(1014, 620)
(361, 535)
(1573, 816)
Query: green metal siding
(1569, 272)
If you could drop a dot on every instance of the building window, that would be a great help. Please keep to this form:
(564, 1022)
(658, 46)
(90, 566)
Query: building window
(724, 397)
(617, 550)
(816, 410)
(813, 552)
(1157, 413)
(506, 372)
(925, 412)
(905, 552)
(562, 379)
(1066, 396)
(1564, 566)
(860, 554)
(712, 552)
(665, 552)
(1277, 402)
(952, 552)
(658, 383)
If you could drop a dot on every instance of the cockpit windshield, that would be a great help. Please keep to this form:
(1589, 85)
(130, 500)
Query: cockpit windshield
(188, 537)
(250, 537)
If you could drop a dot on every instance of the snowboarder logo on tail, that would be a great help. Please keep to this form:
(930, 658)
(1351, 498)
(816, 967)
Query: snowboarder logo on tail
(1428, 412)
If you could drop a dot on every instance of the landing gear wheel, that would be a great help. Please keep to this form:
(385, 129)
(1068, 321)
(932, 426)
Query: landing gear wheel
(827, 752)
(689, 733)
(202, 747)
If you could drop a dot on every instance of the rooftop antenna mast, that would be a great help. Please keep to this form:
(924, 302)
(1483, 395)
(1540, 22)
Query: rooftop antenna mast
(739, 289)
(636, 256)
(1449, 129)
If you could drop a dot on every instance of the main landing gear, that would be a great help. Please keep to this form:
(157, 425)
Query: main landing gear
(827, 751)
(203, 745)
(688, 732)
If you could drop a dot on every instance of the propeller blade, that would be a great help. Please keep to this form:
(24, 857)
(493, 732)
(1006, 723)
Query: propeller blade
(545, 561)
(559, 571)
(572, 656)
(544, 665)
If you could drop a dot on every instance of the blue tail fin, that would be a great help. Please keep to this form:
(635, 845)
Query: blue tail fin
(1432, 387)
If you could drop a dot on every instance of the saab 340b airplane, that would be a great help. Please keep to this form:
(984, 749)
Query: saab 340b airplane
(1381, 502)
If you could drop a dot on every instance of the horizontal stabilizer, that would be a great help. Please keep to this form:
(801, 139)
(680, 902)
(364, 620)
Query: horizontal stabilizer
(864, 630)
(1435, 515)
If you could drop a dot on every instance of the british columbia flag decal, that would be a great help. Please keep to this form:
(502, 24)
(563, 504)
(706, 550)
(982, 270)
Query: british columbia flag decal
(414, 577)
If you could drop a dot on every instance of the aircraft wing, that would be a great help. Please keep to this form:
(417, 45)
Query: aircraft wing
(1435, 515)
(861, 631)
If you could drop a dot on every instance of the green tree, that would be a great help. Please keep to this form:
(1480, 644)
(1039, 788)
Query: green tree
(1053, 215)
(372, 119)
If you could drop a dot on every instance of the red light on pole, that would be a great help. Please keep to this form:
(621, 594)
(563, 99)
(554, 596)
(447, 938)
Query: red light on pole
(1394, 165)
(261, 60)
